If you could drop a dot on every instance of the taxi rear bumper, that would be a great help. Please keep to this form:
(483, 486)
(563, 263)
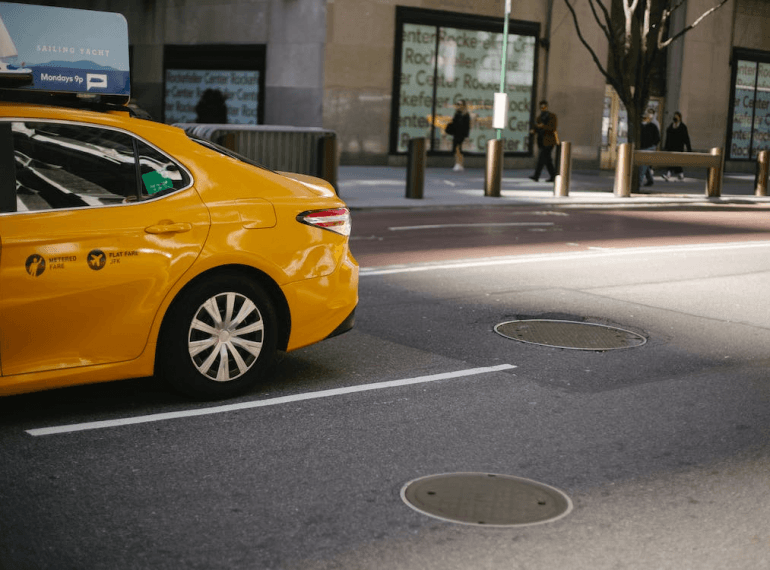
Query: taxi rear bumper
(322, 307)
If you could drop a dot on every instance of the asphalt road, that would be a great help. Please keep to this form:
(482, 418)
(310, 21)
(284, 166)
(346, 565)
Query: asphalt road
(663, 449)
(382, 237)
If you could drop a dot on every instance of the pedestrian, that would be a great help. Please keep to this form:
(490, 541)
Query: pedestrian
(459, 128)
(211, 107)
(677, 140)
(545, 128)
(650, 137)
(654, 120)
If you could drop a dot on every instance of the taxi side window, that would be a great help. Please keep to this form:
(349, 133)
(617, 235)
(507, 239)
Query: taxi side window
(61, 165)
(159, 174)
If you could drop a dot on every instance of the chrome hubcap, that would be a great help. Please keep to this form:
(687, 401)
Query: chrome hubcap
(225, 337)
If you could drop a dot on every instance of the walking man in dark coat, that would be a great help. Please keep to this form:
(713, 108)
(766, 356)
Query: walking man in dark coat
(545, 129)
(677, 140)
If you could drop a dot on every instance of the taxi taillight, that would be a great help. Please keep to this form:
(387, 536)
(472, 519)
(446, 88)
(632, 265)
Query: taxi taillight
(335, 220)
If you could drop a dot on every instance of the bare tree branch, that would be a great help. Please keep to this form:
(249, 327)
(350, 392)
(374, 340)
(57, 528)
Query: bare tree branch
(605, 11)
(650, 41)
(605, 27)
(678, 5)
(635, 39)
(663, 26)
(666, 14)
(646, 28)
(629, 10)
(691, 26)
(588, 46)
(645, 31)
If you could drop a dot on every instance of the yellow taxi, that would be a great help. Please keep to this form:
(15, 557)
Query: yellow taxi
(129, 249)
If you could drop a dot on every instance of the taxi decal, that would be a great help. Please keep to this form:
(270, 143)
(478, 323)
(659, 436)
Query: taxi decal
(116, 256)
(96, 259)
(35, 265)
(58, 262)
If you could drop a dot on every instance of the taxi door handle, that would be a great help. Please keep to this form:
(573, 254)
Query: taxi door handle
(169, 228)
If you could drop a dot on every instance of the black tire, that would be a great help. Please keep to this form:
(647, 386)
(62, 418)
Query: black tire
(218, 338)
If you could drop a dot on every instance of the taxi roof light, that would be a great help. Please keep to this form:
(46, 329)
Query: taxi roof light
(36, 57)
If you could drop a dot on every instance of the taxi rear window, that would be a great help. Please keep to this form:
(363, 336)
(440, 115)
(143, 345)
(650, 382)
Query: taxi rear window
(226, 151)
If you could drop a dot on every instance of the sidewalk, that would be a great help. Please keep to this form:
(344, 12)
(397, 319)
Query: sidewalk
(385, 187)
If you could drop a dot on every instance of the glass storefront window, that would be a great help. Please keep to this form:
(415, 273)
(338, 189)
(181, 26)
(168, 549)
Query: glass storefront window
(622, 137)
(742, 109)
(469, 68)
(218, 77)
(418, 59)
(750, 126)
(185, 89)
(443, 64)
(761, 139)
(606, 121)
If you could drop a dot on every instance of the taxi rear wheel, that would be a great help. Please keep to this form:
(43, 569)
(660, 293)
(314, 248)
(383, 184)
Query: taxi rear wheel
(219, 338)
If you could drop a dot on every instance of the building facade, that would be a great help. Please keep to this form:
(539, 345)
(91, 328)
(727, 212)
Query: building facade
(380, 72)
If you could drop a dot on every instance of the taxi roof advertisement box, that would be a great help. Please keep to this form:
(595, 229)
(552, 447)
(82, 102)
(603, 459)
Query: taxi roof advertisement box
(64, 50)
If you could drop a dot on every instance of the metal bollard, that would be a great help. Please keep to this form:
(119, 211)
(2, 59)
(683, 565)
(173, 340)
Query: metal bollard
(561, 185)
(623, 170)
(229, 141)
(763, 168)
(493, 175)
(714, 180)
(326, 163)
(415, 167)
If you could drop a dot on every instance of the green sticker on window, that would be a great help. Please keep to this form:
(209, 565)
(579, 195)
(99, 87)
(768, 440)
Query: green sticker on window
(155, 182)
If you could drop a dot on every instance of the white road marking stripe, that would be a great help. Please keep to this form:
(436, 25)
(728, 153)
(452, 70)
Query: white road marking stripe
(479, 225)
(566, 256)
(262, 403)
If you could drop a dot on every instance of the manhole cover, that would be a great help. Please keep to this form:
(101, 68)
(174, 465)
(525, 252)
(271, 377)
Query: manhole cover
(486, 499)
(569, 334)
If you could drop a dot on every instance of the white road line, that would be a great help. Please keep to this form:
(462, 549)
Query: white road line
(563, 256)
(479, 225)
(262, 403)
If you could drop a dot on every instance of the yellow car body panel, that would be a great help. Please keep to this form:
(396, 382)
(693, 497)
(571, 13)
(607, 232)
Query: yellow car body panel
(324, 301)
(94, 312)
(102, 268)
